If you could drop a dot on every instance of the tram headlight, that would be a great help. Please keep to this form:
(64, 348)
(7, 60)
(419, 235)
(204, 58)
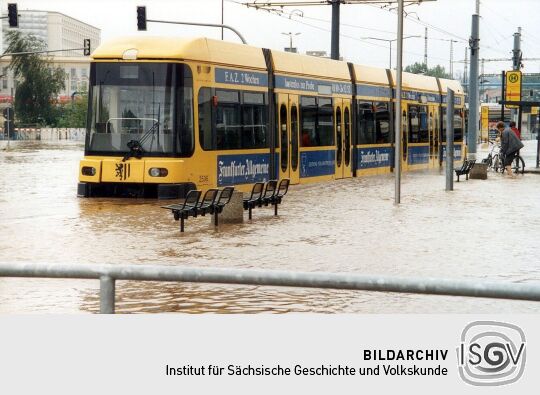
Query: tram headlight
(158, 172)
(88, 171)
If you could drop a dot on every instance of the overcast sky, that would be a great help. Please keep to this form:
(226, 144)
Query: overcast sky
(445, 19)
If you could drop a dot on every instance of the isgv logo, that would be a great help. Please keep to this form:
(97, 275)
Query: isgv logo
(491, 353)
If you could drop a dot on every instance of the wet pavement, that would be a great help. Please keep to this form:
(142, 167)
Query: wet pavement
(485, 230)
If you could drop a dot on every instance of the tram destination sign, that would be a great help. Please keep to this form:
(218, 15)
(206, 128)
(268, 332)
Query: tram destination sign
(241, 77)
(311, 85)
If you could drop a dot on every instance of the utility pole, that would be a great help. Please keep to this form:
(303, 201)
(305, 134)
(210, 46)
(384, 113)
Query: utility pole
(465, 82)
(451, 71)
(334, 52)
(481, 79)
(425, 49)
(473, 84)
(222, 9)
(516, 65)
(517, 55)
(398, 122)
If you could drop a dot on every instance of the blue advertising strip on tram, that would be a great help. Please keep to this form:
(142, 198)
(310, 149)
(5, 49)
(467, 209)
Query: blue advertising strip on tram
(368, 158)
(372, 90)
(457, 100)
(310, 85)
(242, 169)
(417, 155)
(457, 152)
(317, 163)
(241, 77)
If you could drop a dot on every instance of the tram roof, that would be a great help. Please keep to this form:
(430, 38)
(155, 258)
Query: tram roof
(452, 84)
(367, 74)
(285, 62)
(199, 49)
(416, 82)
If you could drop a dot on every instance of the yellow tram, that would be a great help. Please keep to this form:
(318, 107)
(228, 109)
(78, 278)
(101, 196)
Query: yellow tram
(167, 115)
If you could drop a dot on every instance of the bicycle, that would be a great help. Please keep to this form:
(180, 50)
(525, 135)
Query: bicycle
(518, 165)
(493, 159)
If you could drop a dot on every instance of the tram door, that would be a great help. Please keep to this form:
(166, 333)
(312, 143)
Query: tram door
(342, 128)
(288, 124)
(433, 136)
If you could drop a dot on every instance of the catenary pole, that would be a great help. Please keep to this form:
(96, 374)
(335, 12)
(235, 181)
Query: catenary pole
(397, 120)
(450, 140)
(473, 84)
(335, 29)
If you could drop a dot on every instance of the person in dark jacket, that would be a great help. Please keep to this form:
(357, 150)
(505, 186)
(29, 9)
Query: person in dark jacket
(510, 145)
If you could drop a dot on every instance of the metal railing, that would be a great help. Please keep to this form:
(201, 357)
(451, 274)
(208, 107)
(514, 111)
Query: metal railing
(108, 274)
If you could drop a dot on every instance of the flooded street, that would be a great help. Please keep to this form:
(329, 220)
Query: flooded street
(485, 230)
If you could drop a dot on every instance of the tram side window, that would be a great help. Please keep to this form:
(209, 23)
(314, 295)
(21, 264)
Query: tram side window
(423, 131)
(443, 122)
(382, 123)
(254, 121)
(414, 125)
(228, 120)
(325, 122)
(458, 125)
(366, 123)
(308, 121)
(205, 119)
(186, 143)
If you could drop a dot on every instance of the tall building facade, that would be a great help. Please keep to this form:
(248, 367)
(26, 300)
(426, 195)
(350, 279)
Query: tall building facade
(58, 31)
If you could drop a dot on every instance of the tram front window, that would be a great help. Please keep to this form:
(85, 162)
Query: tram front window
(141, 107)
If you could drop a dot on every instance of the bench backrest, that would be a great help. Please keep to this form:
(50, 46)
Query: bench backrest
(209, 198)
(256, 191)
(283, 187)
(225, 196)
(464, 166)
(192, 198)
(471, 164)
(270, 189)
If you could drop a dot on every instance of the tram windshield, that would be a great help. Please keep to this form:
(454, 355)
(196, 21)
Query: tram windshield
(140, 109)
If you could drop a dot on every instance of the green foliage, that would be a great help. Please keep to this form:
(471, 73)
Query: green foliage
(73, 115)
(38, 83)
(420, 68)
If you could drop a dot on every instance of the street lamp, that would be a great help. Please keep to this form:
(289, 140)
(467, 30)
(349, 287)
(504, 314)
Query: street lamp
(390, 42)
(290, 34)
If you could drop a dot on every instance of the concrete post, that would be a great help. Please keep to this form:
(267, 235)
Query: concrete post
(450, 140)
(233, 212)
(106, 295)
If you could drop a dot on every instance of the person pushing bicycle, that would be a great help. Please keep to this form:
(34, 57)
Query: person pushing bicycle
(510, 145)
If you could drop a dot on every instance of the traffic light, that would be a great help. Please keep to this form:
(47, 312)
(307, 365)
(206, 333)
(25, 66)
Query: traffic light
(141, 18)
(12, 15)
(86, 47)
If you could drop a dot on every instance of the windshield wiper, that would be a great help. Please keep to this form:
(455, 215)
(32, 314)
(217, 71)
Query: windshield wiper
(135, 146)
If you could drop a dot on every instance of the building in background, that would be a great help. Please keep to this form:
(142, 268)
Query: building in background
(58, 31)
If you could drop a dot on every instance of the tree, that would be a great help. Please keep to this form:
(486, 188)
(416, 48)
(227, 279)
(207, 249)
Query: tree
(73, 115)
(38, 83)
(420, 68)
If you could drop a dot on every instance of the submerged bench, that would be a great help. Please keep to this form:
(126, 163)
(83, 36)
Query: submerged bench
(465, 169)
(213, 202)
(266, 194)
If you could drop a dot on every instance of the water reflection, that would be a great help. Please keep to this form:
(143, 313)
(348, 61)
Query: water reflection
(344, 226)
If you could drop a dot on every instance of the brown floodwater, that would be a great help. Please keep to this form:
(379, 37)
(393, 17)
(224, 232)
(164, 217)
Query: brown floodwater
(485, 230)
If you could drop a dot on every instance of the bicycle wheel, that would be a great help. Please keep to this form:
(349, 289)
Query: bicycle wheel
(497, 163)
(518, 165)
